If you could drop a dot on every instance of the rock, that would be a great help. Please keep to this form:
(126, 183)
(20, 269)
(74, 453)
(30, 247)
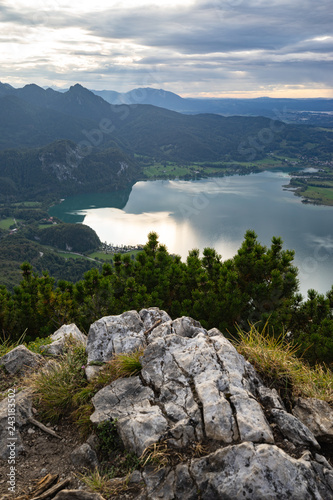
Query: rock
(245, 471)
(123, 333)
(187, 327)
(115, 334)
(294, 429)
(135, 478)
(20, 360)
(84, 458)
(138, 421)
(270, 398)
(250, 471)
(59, 339)
(77, 495)
(12, 418)
(317, 415)
(162, 330)
(92, 371)
(195, 388)
(153, 314)
(93, 442)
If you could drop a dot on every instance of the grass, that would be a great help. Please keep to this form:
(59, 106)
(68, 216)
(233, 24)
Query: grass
(7, 223)
(105, 483)
(320, 194)
(110, 256)
(275, 360)
(7, 344)
(71, 393)
(101, 256)
(56, 385)
(69, 255)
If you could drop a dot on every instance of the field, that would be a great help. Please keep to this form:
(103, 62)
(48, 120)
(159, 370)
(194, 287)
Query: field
(171, 169)
(109, 256)
(321, 195)
(7, 223)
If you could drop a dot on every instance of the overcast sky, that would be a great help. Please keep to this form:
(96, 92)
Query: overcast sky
(240, 48)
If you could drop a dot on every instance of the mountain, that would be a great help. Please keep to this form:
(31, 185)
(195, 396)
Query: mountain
(60, 169)
(291, 110)
(63, 142)
(155, 97)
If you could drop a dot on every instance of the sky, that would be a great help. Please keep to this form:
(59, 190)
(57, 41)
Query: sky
(203, 48)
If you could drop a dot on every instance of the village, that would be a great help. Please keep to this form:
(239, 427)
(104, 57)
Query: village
(110, 248)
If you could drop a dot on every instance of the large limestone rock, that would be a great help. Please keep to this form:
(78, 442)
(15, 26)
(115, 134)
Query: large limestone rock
(245, 471)
(195, 387)
(59, 339)
(20, 360)
(317, 415)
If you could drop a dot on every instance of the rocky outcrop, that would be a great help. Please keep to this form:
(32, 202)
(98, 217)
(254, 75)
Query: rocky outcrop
(224, 433)
(195, 388)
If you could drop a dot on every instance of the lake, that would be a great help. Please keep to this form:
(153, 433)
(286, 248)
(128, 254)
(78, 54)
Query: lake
(213, 212)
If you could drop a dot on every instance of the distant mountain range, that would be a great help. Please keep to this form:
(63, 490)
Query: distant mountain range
(290, 110)
(102, 145)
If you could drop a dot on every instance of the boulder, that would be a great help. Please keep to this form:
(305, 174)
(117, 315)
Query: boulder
(124, 333)
(115, 334)
(317, 415)
(59, 339)
(269, 398)
(20, 360)
(84, 458)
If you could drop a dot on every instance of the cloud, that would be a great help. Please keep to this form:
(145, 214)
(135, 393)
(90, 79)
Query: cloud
(192, 47)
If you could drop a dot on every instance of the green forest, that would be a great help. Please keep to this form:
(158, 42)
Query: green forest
(258, 285)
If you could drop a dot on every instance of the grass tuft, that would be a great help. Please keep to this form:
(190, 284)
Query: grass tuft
(275, 360)
(57, 384)
(127, 365)
(104, 483)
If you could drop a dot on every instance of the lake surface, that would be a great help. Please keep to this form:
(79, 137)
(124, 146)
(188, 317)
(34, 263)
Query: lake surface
(213, 212)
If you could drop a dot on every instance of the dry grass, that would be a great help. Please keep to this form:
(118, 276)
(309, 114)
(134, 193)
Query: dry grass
(275, 360)
(104, 483)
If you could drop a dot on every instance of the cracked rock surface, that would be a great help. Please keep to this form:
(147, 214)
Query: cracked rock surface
(195, 387)
(245, 471)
